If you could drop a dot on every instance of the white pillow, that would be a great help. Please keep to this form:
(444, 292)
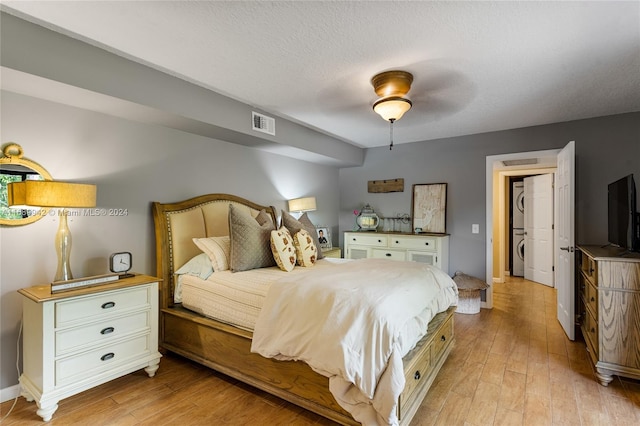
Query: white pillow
(306, 250)
(218, 250)
(199, 266)
(284, 252)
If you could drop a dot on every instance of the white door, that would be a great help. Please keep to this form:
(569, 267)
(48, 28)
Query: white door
(565, 239)
(538, 229)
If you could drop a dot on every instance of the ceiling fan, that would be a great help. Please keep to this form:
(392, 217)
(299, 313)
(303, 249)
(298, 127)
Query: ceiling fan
(392, 87)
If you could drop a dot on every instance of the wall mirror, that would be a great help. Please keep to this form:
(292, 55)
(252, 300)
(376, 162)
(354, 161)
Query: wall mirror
(15, 168)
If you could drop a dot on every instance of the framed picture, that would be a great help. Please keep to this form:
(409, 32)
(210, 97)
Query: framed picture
(324, 237)
(429, 207)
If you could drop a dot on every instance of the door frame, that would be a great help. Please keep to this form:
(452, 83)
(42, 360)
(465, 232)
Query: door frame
(496, 172)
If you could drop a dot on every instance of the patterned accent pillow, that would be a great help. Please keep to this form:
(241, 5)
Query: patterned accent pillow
(306, 250)
(218, 249)
(250, 241)
(284, 252)
(303, 222)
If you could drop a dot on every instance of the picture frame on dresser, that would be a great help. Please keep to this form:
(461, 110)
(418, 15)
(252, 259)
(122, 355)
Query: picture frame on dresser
(429, 208)
(324, 237)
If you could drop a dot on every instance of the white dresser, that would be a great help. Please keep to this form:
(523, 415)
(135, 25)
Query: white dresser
(432, 249)
(75, 340)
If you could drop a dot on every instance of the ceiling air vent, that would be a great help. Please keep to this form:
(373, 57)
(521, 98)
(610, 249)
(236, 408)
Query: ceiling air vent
(262, 123)
(521, 162)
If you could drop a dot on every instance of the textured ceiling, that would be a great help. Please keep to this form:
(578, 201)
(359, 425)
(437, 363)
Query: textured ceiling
(477, 66)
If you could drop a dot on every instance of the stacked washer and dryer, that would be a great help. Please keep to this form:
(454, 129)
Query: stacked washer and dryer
(517, 224)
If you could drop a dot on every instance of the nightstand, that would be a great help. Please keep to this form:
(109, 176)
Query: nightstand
(332, 252)
(76, 340)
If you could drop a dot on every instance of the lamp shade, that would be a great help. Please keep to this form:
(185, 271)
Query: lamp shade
(302, 204)
(51, 194)
(392, 109)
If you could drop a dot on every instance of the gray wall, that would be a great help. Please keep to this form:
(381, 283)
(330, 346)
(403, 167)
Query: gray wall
(132, 165)
(607, 148)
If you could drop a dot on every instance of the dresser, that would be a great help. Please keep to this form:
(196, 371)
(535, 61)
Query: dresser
(609, 308)
(432, 249)
(75, 340)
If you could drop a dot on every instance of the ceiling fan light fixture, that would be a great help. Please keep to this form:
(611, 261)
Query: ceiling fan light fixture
(393, 108)
(392, 83)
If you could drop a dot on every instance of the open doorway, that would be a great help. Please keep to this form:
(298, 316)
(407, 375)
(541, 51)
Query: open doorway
(500, 169)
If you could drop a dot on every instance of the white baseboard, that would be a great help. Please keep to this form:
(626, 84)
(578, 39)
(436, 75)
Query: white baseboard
(9, 393)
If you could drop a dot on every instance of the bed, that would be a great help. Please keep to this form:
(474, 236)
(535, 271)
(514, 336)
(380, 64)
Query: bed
(227, 348)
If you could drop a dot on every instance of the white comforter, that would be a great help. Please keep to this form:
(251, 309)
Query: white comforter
(353, 324)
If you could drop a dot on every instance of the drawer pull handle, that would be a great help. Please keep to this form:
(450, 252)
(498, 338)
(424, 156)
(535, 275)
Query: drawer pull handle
(593, 299)
(108, 356)
(388, 254)
(107, 330)
(426, 243)
(379, 241)
(442, 339)
(593, 330)
(108, 305)
(397, 242)
(417, 375)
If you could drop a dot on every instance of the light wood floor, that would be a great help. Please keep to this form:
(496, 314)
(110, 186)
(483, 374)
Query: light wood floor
(511, 365)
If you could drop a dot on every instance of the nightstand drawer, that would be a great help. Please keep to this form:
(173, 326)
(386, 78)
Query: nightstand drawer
(100, 333)
(415, 243)
(108, 303)
(368, 240)
(388, 254)
(87, 364)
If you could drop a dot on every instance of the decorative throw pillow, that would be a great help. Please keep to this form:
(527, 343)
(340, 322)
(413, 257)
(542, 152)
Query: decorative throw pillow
(218, 250)
(306, 251)
(250, 241)
(294, 225)
(284, 252)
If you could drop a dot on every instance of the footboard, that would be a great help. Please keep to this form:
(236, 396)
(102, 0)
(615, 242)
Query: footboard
(228, 350)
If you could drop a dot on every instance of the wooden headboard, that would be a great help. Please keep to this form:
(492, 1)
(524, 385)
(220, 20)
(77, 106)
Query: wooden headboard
(176, 224)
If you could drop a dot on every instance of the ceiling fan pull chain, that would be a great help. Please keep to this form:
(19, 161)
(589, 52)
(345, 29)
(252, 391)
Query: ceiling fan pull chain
(391, 133)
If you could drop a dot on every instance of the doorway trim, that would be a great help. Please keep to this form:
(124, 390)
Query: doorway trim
(495, 166)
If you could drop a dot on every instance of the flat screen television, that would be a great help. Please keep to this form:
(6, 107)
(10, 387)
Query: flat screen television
(623, 219)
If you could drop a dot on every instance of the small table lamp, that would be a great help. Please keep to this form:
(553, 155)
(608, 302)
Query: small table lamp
(54, 194)
(300, 205)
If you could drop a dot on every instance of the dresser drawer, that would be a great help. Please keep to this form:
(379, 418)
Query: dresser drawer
(105, 304)
(372, 240)
(590, 330)
(388, 254)
(414, 243)
(87, 364)
(100, 333)
(591, 299)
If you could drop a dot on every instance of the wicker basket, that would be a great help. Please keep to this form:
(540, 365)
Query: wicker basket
(468, 301)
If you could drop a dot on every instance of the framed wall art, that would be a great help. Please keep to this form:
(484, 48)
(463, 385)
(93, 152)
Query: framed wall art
(429, 208)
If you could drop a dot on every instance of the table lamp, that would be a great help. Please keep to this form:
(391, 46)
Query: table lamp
(58, 195)
(300, 205)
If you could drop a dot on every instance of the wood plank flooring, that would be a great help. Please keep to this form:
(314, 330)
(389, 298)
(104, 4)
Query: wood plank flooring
(511, 365)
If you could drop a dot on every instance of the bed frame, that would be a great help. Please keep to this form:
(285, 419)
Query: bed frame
(226, 349)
